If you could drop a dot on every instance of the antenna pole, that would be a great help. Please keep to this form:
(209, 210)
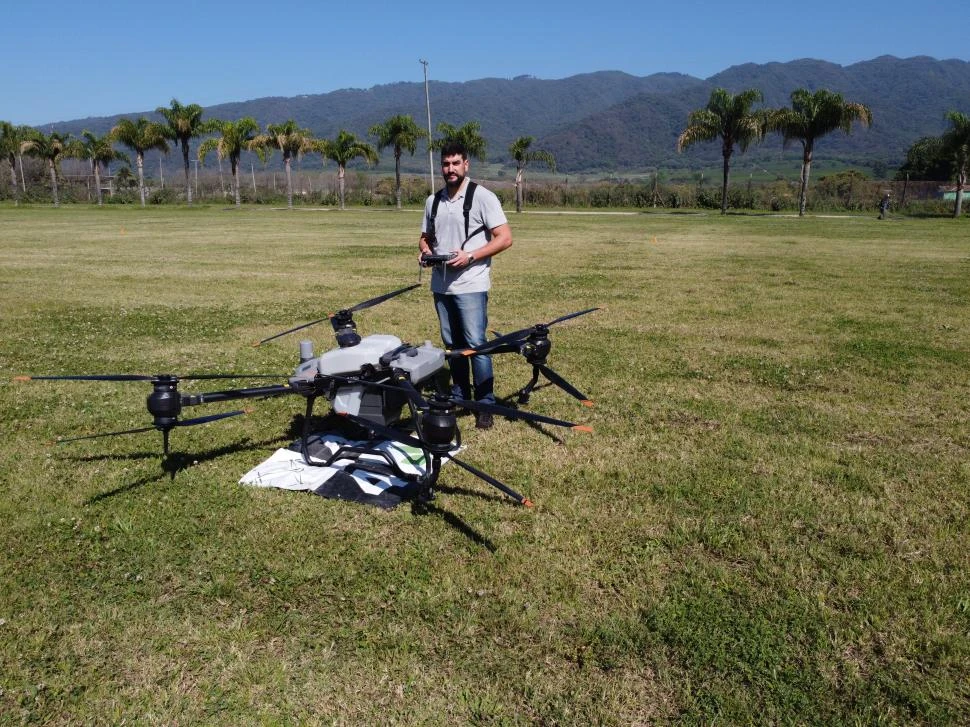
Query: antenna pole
(427, 103)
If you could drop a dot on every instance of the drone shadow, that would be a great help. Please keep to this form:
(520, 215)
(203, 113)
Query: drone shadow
(172, 464)
(420, 508)
(511, 401)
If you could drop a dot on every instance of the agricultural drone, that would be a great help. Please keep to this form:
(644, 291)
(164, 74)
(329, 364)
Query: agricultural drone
(369, 381)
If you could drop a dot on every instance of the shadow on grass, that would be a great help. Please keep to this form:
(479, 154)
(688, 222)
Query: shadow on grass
(427, 508)
(172, 464)
(511, 401)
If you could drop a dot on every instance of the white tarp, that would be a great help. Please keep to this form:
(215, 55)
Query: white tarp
(285, 469)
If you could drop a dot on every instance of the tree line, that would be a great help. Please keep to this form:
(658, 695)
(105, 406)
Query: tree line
(732, 119)
(728, 118)
(229, 139)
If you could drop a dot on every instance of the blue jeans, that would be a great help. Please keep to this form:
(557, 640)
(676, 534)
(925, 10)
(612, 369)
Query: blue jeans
(464, 320)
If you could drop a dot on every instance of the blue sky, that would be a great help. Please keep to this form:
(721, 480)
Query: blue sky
(68, 60)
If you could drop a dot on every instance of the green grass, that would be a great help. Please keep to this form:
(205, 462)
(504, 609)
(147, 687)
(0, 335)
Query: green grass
(769, 523)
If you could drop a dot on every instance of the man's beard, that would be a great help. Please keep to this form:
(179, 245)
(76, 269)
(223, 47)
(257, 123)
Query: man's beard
(456, 184)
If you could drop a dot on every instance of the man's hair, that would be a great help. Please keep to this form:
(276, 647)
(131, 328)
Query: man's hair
(450, 148)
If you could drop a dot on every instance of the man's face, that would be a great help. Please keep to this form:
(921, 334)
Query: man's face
(454, 169)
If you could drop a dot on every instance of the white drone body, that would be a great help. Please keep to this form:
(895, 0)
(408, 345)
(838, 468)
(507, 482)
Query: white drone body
(381, 352)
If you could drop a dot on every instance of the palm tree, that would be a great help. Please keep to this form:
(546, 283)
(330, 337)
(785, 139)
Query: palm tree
(98, 150)
(812, 116)
(401, 133)
(727, 117)
(140, 136)
(519, 150)
(956, 143)
(52, 148)
(183, 123)
(469, 135)
(11, 137)
(291, 140)
(345, 148)
(234, 138)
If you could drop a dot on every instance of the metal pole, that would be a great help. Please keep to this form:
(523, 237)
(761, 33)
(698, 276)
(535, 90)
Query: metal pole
(427, 102)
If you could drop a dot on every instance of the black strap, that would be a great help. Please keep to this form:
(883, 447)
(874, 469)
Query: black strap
(466, 209)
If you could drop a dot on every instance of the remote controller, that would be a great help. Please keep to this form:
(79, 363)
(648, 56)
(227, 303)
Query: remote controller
(428, 259)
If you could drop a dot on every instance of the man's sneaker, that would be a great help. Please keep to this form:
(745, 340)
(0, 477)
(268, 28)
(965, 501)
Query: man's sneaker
(483, 420)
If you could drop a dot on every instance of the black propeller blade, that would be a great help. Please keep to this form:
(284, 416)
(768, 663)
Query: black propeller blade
(144, 377)
(381, 298)
(354, 309)
(517, 336)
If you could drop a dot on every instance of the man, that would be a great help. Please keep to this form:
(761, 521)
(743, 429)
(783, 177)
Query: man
(467, 219)
(884, 207)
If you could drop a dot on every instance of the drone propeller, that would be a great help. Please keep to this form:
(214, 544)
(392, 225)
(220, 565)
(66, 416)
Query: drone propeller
(342, 315)
(144, 377)
(534, 344)
(520, 335)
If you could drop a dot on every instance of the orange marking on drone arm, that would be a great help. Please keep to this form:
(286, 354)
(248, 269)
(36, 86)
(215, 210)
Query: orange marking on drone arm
(21, 378)
(583, 428)
(586, 402)
(527, 502)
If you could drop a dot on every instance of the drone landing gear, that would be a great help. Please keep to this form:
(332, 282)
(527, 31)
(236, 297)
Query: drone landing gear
(525, 392)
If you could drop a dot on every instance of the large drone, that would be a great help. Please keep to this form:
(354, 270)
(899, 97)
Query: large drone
(369, 381)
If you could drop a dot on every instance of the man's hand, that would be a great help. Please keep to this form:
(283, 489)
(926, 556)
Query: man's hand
(462, 259)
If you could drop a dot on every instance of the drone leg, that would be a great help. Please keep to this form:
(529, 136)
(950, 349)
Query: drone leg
(426, 491)
(526, 390)
(165, 441)
(493, 482)
(305, 435)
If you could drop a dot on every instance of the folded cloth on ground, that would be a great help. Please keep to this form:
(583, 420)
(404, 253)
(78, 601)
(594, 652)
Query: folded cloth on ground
(366, 477)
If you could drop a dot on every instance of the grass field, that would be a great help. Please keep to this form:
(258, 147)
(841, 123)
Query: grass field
(768, 525)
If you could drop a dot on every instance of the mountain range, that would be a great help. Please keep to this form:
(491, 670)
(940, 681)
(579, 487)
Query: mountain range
(610, 121)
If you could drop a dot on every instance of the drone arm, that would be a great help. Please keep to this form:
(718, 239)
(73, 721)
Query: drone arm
(486, 348)
(232, 394)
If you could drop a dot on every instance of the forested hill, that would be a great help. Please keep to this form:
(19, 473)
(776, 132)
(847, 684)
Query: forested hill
(614, 121)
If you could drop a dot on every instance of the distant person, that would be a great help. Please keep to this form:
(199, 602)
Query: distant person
(884, 207)
(467, 219)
